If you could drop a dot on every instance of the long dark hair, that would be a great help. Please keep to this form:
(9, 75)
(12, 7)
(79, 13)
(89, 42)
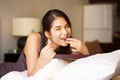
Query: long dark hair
(47, 20)
(49, 17)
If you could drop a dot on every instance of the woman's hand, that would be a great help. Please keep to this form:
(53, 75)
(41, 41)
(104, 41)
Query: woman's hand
(77, 46)
(36, 61)
(47, 54)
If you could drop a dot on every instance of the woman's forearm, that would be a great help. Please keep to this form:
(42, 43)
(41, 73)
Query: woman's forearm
(38, 66)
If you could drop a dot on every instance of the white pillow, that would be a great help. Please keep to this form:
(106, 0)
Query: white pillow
(47, 73)
(14, 75)
(96, 67)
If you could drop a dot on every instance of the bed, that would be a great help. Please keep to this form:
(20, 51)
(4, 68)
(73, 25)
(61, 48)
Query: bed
(94, 67)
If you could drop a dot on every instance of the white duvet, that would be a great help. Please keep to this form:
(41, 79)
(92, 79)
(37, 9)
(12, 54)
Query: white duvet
(95, 67)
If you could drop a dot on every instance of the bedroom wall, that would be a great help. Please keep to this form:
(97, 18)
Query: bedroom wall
(0, 35)
(35, 8)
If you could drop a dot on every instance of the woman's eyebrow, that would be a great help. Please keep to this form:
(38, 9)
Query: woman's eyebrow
(60, 25)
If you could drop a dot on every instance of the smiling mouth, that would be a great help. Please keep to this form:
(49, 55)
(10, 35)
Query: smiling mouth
(64, 38)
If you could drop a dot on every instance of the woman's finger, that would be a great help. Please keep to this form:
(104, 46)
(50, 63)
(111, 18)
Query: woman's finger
(72, 40)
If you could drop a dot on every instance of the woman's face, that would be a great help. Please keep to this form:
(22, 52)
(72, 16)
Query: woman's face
(60, 31)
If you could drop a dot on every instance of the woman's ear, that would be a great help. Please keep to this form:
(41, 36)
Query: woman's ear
(47, 34)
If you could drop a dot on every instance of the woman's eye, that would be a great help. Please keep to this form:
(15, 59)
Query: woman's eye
(67, 26)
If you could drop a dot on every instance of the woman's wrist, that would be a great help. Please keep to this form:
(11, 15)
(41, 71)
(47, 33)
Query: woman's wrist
(84, 49)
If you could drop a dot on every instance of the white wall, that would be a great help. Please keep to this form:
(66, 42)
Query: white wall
(35, 8)
(0, 35)
(98, 22)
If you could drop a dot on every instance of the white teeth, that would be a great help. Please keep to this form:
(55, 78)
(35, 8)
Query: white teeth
(64, 38)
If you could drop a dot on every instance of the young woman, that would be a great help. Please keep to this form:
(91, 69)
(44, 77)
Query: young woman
(56, 38)
(40, 48)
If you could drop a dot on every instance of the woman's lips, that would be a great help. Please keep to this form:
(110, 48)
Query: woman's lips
(64, 38)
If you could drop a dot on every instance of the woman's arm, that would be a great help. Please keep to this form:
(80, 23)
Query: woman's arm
(77, 46)
(31, 51)
(35, 61)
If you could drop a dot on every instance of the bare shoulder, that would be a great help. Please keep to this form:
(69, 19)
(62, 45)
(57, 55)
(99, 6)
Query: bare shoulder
(33, 43)
(34, 37)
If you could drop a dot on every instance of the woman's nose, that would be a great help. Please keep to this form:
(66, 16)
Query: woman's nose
(64, 31)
